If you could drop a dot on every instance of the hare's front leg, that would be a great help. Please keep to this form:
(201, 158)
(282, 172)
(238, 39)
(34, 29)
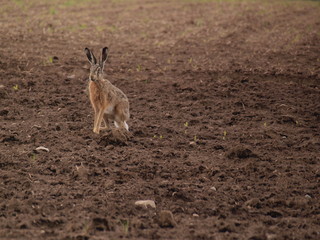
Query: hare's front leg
(95, 129)
(98, 120)
(95, 118)
(96, 124)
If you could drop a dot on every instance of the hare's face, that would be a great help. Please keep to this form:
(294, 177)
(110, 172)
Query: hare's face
(96, 68)
(95, 73)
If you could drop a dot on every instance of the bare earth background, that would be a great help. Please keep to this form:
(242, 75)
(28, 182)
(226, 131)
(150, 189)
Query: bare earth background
(225, 124)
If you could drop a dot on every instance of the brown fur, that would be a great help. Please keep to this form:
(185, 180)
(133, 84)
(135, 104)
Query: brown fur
(109, 102)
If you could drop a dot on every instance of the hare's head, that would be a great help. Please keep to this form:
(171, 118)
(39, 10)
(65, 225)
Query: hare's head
(96, 69)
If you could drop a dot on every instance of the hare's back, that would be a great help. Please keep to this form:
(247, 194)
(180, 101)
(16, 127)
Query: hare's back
(119, 94)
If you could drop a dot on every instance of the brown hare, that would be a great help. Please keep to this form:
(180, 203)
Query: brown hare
(109, 102)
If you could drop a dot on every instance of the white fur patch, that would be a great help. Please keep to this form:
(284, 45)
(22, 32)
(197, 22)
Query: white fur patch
(126, 126)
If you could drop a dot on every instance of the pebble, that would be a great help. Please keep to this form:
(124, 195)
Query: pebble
(41, 148)
(146, 203)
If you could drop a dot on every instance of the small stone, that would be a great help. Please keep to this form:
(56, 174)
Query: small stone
(71, 76)
(166, 219)
(195, 215)
(253, 203)
(41, 148)
(146, 203)
(168, 115)
(271, 236)
(213, 188)
(307, 196)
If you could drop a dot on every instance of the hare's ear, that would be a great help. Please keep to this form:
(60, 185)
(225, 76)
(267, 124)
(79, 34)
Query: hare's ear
(92, 59)
(104, 56)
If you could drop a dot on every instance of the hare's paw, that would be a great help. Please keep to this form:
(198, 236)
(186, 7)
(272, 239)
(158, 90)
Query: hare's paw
(121, 125)
(96, 130)
(126, 126)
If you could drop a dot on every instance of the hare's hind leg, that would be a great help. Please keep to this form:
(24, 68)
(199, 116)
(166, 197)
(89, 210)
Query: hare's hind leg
(126, 126)
(122, 115)
(121, 124)
(106, 119)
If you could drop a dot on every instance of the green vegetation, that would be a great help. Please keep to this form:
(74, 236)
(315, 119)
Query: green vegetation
(71, 3)
(125, 225)
(224, 135)
(33, 157)
(160, 136)
(83, 26)
(52, 10)
(139, 68)
(50, 60)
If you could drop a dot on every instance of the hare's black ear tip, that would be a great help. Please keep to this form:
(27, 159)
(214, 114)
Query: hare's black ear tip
(105, 48)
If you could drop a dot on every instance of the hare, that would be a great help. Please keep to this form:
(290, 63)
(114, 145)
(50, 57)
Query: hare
(109, 102)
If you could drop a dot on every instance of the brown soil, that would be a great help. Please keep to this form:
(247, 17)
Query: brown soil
(225, 120)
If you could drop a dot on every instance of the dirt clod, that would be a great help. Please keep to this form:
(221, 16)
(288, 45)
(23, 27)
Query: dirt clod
(146, 203)
(82, 172)
(166, 220)
(241, 152)
(98, 225)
